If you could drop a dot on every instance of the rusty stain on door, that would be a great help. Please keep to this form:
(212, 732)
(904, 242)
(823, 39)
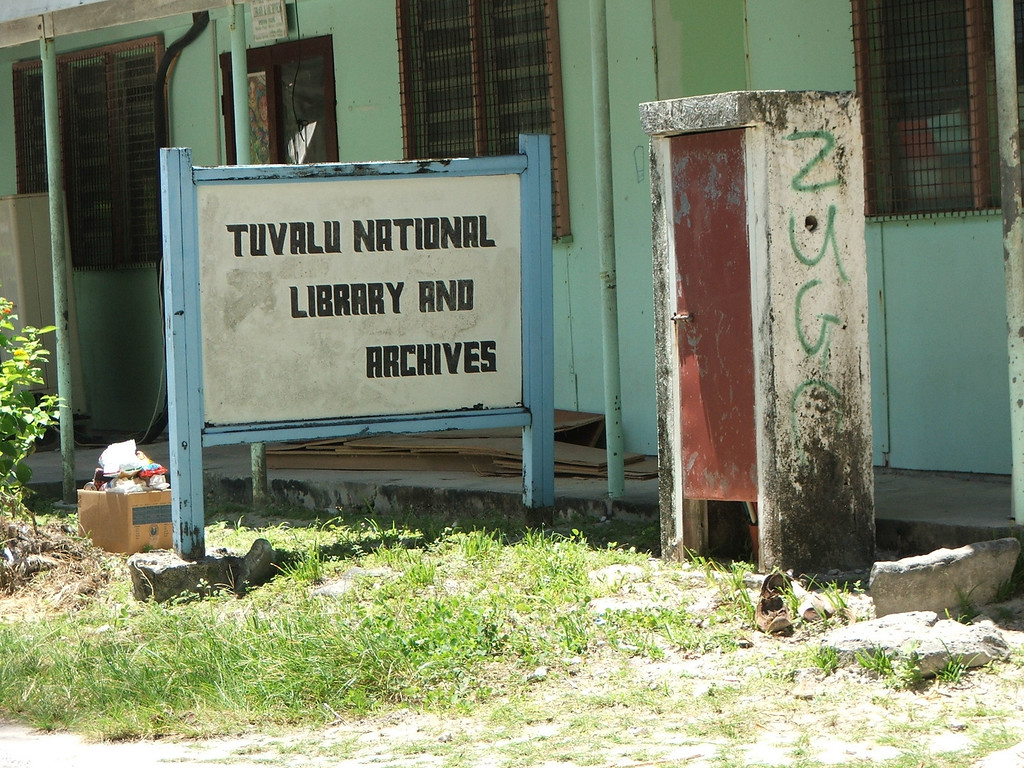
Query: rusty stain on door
(713, 316)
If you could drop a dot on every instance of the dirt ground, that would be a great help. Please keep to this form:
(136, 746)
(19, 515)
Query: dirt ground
(750, 706)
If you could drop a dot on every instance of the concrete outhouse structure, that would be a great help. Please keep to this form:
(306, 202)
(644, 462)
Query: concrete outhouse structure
(761, 320)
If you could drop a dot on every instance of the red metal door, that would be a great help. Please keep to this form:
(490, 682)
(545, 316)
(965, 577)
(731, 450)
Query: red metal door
(713, 320)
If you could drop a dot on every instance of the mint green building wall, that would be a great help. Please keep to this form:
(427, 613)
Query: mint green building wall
(940, 395)
(800, 45)
(578, 352)
(949, 395)
(939, 391)
(118, 312)
(701, 47)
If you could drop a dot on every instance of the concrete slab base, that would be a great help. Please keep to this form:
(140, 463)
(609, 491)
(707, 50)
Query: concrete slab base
(161, 575)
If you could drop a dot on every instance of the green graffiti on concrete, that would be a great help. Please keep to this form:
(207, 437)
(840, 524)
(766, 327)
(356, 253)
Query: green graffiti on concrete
(829, 144)
(824, 336)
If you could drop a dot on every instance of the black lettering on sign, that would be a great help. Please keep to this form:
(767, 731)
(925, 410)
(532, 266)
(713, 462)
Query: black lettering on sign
(430, 233)
(472, 359)
(375, 362)
(442, 295)
(488, 357)
(278, 234)
(297, 229)
(346, 299)
(296, 312)
(324, 306)
(238, 230)
(431, 359)
(257, 240)
(299, 237)
(452, 353)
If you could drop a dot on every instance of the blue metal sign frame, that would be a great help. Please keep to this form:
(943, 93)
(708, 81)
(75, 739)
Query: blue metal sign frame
(188, 432)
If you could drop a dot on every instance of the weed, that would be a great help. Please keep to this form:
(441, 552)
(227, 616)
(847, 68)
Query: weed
(953, 670)
(574, 630)
(897, 672)
(1012, 585)
(307, 567)
(479, 543)
(908, 671)
(835, 595)
(878, 661)
(826, 658)
(731, 583)
(965, 609)
(422, 573)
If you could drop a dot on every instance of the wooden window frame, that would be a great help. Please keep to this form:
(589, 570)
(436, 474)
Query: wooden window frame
(131, 178)
(886, 194)
(407, 68)
(271, 59)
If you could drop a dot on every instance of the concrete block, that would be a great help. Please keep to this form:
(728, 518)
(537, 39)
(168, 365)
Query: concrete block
(921, 634)
(162, 575)
(943, 580)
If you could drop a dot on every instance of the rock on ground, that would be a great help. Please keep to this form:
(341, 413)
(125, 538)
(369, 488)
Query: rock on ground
(162, 575)
(935, 642)
(945, 579)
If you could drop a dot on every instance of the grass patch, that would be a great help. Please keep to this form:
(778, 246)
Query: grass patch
(466, 618)
(471, 644)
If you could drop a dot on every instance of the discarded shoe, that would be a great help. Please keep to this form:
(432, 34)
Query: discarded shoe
(770, 613)
(815, 607)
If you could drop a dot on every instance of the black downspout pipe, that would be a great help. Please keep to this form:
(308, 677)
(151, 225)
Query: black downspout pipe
(199, 23)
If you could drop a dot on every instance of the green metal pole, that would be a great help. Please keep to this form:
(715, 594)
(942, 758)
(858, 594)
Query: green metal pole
(243, 156)
(1013, 243)
(606, 246)
(58, 260)
(240, 85)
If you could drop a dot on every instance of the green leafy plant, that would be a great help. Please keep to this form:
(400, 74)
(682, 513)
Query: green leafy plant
(954, 669)
(24, 416)
(878, 661)
(826, 658)
(307, 566)
(908, 671)
(965, 608)
(731, 583)
(897, 672)
(1012, 585)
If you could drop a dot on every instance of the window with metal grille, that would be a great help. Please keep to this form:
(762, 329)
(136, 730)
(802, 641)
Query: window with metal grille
(926, 75)
(477, 73)
(108, 144)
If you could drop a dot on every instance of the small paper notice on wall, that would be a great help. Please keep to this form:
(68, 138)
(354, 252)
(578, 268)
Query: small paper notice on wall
(269, 20)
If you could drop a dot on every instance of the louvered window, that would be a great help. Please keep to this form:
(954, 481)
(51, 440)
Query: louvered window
(477, 73)
(926, 77)
(108, 142)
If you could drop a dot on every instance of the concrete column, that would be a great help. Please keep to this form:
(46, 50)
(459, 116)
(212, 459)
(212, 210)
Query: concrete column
(1013, 244)
(243, 156)
(58, 259)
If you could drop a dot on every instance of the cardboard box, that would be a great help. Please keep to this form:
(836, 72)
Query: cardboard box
(126, 522)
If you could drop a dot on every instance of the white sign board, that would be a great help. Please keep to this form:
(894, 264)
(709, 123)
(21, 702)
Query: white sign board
(310, 302)
(269, 20)
(374, 297)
